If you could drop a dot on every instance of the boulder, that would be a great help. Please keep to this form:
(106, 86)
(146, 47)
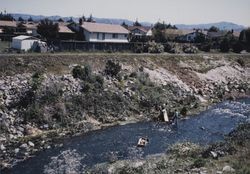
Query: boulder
(228, 168)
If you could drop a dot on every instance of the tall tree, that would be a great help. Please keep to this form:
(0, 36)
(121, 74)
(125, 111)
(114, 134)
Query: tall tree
(213, 29)
(137, 24)
(90, 19)
(30, 19)
(124, 24)
(6, 17)
(20, 19)
(60, 20)
(48, 30)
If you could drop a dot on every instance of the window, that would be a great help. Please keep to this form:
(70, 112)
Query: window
(98, 36)
(103, 36)
(125, 35)
(115, 36)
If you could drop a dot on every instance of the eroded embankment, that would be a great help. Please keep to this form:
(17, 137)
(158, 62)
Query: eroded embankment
(41, 99)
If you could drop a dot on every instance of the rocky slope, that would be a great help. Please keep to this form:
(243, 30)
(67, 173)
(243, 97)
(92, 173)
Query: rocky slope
(45, 97)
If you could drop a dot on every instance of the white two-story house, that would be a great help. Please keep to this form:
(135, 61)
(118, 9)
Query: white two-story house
(97, 32)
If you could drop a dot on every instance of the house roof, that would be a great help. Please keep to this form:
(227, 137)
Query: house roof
(144, 29)
(217, 34)
(64, 29)
(8, 23)
(23, 37)
(104, 28)
(30, 25)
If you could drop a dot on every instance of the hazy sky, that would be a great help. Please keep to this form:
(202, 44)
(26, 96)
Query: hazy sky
(173, 11)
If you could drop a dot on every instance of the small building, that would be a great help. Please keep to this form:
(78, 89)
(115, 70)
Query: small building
(23, 43)
(97, 32)
(140, 30)
(192, 36)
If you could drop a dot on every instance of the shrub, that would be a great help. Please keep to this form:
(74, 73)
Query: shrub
(199, 163)
(205, 47)
(241, 62)
(82, 73)
(224, 45)
(237, 47)
(112, 68)
(183, 111)
(154, 47)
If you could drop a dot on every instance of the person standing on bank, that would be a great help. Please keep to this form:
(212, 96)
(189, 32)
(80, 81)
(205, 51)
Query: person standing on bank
(176, 116)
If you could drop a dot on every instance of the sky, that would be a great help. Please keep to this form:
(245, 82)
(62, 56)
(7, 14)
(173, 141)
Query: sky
(170, 11)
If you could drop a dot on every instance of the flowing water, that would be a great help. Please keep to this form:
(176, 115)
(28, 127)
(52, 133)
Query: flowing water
(95, 147)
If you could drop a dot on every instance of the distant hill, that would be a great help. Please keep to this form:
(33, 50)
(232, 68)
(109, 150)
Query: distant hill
(220, 25)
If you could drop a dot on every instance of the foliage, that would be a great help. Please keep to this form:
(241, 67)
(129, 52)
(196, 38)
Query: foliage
(124, 24)
(20, 19)
(112, 69)
(6, 17)
(213, 29)
(205, 47)
(224, 45)
(241, 61)
(237, 47)
(154, 47)
(163, 26)
(90, 19)
(199, 162)
(159, 36)
(60, 20)
(48, 29)
(137, 24)
(30, 19)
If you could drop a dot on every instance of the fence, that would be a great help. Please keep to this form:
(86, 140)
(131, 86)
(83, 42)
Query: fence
(95, 46)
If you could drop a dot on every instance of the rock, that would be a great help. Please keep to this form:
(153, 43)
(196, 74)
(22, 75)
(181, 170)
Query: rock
(24, 146)
(2, 147)
(31, 144)
(228, 169)
(219, 172)
(214, 154)
(16, 150)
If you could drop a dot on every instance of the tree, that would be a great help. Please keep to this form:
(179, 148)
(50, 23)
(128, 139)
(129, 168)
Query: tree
(20, 19)
(224, 45)
(48, 29)
(6, 17)
(159, 36)
(137, 24)
(124, 24)
(30, 19)
(90, 19)
(60, 20)
(70, 20)
(213, 29)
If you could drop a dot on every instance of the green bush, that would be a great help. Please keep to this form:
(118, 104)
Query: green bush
(200, 162)
(224, 45)
(112, 69)
(82, 73)
(241, 62)
(154, 47)
(237, 47)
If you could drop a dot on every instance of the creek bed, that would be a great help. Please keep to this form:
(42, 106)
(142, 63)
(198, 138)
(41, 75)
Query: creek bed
(95, 147)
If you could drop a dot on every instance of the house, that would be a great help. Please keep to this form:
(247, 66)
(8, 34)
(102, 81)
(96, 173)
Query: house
(29, 28)
(140, 31)
(217, 34)
(7, 29)
(192, 36)
(11, 25)
(97, 32)
(65, 33)
(24, 43)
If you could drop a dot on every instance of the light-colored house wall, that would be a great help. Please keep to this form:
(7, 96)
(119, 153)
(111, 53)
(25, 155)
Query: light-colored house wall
(93, 37)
